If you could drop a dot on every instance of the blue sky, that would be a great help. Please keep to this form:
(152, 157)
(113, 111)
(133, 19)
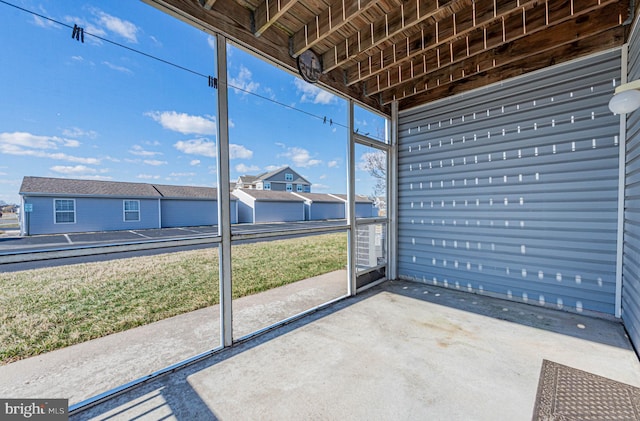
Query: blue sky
(95, 110)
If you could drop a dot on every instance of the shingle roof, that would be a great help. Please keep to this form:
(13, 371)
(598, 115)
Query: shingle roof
(72, 187)
(190, 192)
(320, 197)
(247, 179)
(68, 186)
(272, 195)
(267, 175)
(359, 198)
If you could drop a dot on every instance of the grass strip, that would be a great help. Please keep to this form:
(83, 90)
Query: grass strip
(46, 309)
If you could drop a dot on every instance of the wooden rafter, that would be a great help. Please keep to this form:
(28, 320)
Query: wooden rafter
(207, 4)
(456, 26)
(592, 44)
(327, 23)
(269, 11)
(386, 27)
(476, 52)
(560, 37)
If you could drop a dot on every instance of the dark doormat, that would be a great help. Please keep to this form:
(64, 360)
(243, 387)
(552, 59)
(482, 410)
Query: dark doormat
(566, 393)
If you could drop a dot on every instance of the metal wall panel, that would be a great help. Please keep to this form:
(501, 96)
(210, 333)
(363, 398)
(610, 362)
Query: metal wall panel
(189, 213)
(92, 214)
(512, 190)
(320, 211)
(631, 251)
(279, 211)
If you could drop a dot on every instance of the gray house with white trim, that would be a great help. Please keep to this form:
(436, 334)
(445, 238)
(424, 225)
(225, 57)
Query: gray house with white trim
(60, 205)
(282, 179)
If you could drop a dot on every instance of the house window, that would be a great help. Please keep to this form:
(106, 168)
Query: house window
(289, 187)
(300, 188)
(307, 189)
(267, 185)
(131, 210)
(288, 177)
(65, 211)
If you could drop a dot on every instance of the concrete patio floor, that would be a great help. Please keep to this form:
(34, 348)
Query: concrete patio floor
(399, 351)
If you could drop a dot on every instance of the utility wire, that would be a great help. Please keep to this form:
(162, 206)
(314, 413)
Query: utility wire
(290, 107)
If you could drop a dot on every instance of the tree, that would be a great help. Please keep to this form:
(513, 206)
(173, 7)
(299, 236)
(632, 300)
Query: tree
(375, 163)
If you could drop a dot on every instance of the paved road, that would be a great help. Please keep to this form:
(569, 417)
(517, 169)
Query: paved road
(57, 250)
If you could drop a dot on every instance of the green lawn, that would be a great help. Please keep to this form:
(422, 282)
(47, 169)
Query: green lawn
(46, 309)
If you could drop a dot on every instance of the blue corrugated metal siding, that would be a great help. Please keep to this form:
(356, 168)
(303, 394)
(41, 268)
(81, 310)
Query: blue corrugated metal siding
(92, 214)
(364, 210)
(279, 211)
(320, 211)
(512, 190)
(631, 253)
(185, 213)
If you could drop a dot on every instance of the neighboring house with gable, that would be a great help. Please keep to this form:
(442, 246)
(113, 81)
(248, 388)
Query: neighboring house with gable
(255, 206)
(61, 205)
(282, 179)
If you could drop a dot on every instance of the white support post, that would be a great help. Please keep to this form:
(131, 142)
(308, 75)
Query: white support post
(224, 199)
(392, 193)
(351, 205)
(622, 145)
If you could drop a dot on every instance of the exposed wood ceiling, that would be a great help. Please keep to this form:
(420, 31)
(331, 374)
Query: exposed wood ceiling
(415, 51)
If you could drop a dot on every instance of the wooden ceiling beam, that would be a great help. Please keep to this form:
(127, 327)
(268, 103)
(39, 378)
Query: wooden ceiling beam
(598, 42)
(207, 4)
(408, 15)
(459, 27)
(339, 13)
(478, 42)
(268, 12)
(560, 43)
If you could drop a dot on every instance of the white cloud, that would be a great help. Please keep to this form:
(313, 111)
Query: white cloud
(300, 157)
(182, 174)
(239, 151)
(155, 41)
(154, 162)
(205, 147)
(202, 146)
(140, 151)
(77, 169)
(272, 167)
(323, 176)
(148, 177)
(312, 93)
(117, 68)
(77, 132)
(29, 140)
(243, 82)
(77, 58)
(184, 123)
(332, 164)
(194, 162)
(28, 144)
(41, 22)
(124, 28)
(282, 145)
(242, 168)
(212, 42)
